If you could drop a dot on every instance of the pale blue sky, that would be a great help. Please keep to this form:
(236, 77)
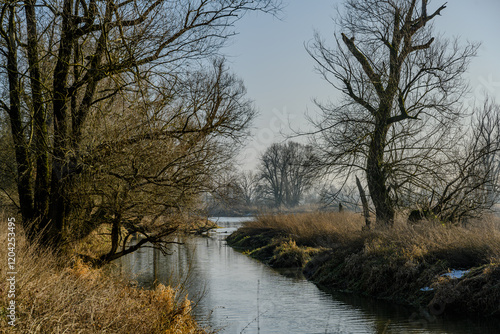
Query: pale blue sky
(269, 55)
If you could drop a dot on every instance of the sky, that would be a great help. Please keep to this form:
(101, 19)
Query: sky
(269, 54)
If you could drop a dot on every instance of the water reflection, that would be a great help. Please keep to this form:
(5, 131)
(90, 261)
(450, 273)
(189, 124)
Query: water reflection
(241, 295)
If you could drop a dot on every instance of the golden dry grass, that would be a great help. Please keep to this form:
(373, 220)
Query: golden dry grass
(480, 241)
(314, 228)
(53, 296)
(460, 246)
(390, 263)
(288, 254)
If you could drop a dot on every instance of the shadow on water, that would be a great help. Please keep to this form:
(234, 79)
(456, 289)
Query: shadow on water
(238, 294)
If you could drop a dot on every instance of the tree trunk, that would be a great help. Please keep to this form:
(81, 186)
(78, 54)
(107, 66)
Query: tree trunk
(115, 235)
(40, 132)
(24, 168)
(376, 175)
(364, 202)
(57, 209)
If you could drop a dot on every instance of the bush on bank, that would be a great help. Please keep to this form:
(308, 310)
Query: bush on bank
(403, 264)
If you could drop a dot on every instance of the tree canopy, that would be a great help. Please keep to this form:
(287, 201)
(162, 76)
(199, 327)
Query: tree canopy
(118, 109)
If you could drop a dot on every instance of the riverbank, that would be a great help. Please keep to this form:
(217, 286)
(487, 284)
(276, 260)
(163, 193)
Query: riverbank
(444, 268)
(63, 295)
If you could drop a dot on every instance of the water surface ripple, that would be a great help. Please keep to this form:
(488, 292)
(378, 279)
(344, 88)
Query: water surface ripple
(237, 294)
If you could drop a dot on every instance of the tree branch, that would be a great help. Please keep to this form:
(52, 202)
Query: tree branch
(374, 78)
(422, 20)
(356, 98)
(404, 113)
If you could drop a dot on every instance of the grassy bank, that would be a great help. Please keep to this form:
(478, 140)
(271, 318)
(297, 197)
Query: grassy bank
(404, 264)
(63, 295)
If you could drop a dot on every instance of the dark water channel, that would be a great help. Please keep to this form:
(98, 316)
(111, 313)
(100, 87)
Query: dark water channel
(237, 294)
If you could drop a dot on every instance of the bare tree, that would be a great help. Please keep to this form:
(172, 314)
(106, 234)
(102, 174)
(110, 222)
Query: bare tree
(80, 54)
(401, 90)
(286, 171)
(227, 196)
(247, 182)
(152, 160)
(8, 170)
(486, 133)
(466, 184)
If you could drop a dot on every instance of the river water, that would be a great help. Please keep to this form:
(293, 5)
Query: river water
(237, 294)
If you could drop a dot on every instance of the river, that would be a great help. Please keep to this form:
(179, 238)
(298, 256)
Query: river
(237, 294)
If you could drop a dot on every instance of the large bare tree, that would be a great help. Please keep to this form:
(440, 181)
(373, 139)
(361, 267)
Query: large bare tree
(149, 159)
(401, 87)
(63, 59)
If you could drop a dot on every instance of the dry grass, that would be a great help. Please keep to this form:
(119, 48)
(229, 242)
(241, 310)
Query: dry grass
(288, 254)
(478, 292)
(477, 244)
(53, 296)
(291, 240)
(461, 247)
(390, 263)
(313, 229)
